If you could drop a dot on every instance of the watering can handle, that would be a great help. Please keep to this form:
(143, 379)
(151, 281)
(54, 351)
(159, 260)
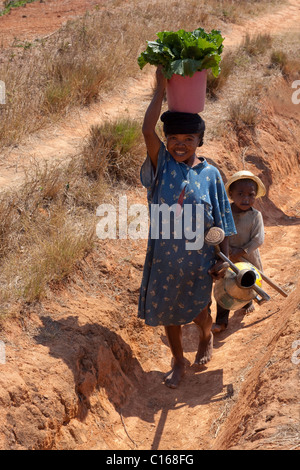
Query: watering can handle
(270, 282)
(260, 301)
(227, 260)
(264, 296)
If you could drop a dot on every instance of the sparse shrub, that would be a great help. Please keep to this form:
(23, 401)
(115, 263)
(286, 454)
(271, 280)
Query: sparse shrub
(54, 258)
(290, 67)
(256, 45)
(278, 58)
(8, 216)
(72, 83)
(110, 151)
(216, 84)
(243, 112)
(9, 4)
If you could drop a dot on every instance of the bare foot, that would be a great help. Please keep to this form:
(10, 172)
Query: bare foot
(205, 350)
(174, 376)
(248, 308)
(218, 328)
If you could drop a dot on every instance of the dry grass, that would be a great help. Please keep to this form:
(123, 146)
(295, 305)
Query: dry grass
(48, 224)
(42, 235)
(235, 11)
(216, 84)
(289, 66)
(69, 71)
(285, 56)
(258, 61)
(112, 151)
(256, 45)
(52, 257)
(243, 112)
(86, 57)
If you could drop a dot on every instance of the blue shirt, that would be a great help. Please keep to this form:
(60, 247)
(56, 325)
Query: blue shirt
(176, 285)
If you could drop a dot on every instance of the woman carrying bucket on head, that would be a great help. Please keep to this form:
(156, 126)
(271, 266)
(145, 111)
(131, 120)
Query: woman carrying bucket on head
(177, 282)
(243, 188)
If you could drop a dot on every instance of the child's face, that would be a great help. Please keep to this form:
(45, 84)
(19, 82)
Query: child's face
(243, 194)
(182, 146)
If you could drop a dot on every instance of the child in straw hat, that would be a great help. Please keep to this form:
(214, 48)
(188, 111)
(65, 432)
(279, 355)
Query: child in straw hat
(243, 188)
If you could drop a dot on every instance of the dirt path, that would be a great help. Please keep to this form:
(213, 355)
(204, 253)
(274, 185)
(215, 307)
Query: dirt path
(192, 416)
(87, 334)
(39, 19)
(284, 19)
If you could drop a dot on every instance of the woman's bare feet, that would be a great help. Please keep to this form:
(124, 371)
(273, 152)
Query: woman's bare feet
(174, 376)
(204, 324)
(204, 353)
(248, 308)
(216, 328)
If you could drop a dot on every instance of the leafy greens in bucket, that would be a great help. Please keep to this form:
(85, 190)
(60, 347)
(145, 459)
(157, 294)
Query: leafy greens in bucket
(184, 53)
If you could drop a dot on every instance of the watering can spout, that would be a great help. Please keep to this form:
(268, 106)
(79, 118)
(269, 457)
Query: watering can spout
(246, 278)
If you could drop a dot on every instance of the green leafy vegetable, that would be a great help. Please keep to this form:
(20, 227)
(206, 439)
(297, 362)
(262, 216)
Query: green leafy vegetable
(184, 53)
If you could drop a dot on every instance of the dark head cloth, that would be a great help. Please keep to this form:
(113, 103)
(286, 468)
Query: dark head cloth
(182, 123)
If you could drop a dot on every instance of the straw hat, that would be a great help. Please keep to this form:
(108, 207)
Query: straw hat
(242, 175)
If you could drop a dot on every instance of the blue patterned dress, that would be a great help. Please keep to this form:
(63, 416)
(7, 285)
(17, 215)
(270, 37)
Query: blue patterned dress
(176, 285)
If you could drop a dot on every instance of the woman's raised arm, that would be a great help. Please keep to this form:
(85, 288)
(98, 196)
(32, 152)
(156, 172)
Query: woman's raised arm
(152, 114)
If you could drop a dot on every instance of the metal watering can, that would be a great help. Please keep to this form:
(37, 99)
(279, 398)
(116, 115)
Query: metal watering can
(242, 281)
(239, 285)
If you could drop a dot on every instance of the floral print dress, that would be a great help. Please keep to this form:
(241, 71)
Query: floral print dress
(176, 285)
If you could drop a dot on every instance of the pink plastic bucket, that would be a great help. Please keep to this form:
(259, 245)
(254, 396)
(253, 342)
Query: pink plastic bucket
(187, 94)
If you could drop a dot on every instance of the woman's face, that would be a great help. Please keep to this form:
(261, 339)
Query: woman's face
(243, 194)
(182, 147)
